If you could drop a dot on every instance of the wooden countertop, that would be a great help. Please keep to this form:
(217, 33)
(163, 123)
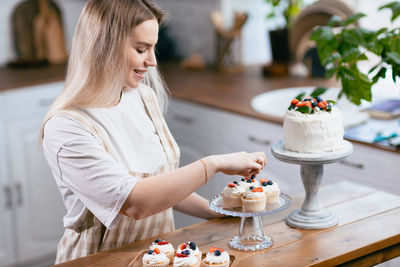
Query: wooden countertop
(368, 233)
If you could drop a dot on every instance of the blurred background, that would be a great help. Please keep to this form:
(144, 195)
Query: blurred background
(213, 40)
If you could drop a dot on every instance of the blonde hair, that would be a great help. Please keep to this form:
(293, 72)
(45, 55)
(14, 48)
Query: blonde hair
(98, 65)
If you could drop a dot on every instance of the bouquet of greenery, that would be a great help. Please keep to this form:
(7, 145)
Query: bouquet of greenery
(340, 46)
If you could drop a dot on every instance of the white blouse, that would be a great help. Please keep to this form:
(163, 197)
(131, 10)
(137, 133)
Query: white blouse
(88, 176)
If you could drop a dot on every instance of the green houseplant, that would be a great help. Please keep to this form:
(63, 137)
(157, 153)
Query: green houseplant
(341, 46)
(286, 11)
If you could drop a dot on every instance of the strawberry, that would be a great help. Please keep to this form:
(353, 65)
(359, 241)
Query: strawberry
(212, 249)
(180, 255)
(306, 103)
(294, 101)
(183, 246)
(231, 185)
(163, 243)
(258, 189)
(263, 180)
(325, 102)
(321, 105)
(157, 251)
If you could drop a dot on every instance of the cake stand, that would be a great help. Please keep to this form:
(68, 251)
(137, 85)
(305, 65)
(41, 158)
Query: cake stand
(251, 231)
(312, 214)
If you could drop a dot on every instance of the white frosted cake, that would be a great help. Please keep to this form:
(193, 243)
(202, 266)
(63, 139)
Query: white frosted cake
(312, 126)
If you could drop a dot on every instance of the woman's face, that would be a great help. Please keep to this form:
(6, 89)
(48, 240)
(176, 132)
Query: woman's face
(141, 51)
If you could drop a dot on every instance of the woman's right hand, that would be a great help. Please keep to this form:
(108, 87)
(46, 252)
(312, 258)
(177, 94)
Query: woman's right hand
(240, 163)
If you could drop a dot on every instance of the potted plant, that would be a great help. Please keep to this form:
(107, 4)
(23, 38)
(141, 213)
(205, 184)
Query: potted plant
(341, 46)
(285, 11)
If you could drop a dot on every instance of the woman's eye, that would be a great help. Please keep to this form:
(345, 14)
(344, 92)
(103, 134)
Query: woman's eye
(140, 51)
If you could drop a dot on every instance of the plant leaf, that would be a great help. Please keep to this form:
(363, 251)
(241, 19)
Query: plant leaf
(335, 20)
(305, 109)
(300, 96)
(353, 18)
(395, 7)
(395, 57)
(351, 54)
(318, 91)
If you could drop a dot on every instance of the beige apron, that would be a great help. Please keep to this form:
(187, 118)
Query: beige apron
(92, 236)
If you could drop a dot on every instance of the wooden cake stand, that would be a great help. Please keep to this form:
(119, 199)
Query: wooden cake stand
(312, 214)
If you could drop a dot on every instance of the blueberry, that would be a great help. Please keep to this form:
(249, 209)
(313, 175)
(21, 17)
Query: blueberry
(150, 251)
(251, 187)
(235, 182)
(318, 99)
(217, 253)
(185, 252)
(307, 99)
(264, 183)
(314, 104)
(252, 177)
(248, 181)
(157, 240)
(321, 108)
(269, 182)
(192, 246)
(242, 179)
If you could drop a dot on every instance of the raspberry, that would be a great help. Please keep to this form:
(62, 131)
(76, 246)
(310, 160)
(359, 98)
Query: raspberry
(163, 243)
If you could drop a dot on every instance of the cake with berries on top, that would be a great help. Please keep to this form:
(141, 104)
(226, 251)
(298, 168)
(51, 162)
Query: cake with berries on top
(185, 258)
(165, 247)
(191, 246)
(246, 182)
(312, 125)
(154, 258)
(254, 199)
(231, 195)
(271, 190)
(216, 257)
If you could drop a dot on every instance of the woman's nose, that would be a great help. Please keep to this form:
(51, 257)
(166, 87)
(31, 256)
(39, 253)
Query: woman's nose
(151, 60)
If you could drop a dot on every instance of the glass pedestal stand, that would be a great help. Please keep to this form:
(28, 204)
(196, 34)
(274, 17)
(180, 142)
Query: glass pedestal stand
(251, 232)
(312, 214)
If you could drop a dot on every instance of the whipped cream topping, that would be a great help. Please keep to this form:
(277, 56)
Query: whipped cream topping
(167, 248)
(246, 185)
(313, 133)
(211, 258)
(248, 194)
(236, 191)
(155, 258)
(268, 189)
(185, 261)
(195, 252)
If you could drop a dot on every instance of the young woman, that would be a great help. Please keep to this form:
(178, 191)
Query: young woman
(107, 143)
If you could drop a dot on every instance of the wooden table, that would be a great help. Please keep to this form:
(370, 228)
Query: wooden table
(368, 233)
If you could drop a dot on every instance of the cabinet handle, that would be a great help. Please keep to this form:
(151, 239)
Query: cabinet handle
(352, 164)
(259, 141)
(183, 119)
(46, 102)
(20, 199)
(7, 194)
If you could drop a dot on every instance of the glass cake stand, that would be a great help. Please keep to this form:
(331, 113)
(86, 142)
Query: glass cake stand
(312, 214)
(251, 232)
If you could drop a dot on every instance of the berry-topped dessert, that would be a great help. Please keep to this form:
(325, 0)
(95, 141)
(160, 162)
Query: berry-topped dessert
(231, 195)
(191, 246)
(185, 258)
(312, 125)
(216, 257)
(155, 258)
(165, 247)
(246, 182)
(254, 199)
(271, 190)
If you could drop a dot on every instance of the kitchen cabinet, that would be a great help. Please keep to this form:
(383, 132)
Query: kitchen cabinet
(200, 131)
(31, 195)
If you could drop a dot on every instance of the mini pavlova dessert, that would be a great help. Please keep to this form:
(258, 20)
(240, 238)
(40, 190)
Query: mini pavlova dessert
(254, 199)
(216, 257)
(154, 258)
(246, 182)
(185, 258)
(231, 195)
(165, 247)
(271, 190)
(191, 246)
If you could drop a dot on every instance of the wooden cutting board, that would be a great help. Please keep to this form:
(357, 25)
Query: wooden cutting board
(38, 32)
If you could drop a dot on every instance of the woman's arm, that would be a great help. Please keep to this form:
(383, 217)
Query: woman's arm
(197, 206)
(157, 193)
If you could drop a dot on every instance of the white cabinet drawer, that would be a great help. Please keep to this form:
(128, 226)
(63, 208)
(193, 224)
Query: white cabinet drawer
(30, 99)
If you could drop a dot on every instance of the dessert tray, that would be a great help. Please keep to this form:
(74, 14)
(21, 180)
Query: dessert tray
(251, 232)
(138, 259)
